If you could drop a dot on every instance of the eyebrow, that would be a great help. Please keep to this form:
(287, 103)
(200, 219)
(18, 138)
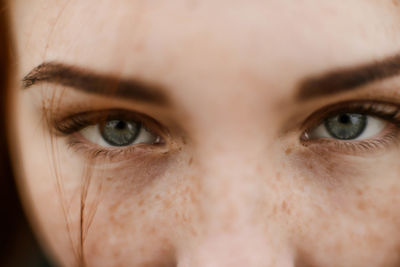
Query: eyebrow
(330, 83)
(347, 79)
(89, 82)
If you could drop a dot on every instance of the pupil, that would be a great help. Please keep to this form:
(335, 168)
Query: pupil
(120, 125)
(345, 119)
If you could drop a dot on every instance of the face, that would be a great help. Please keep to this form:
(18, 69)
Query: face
(209, 133)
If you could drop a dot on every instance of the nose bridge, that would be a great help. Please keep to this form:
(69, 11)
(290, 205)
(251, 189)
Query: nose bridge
(236, 177)
(234, 232)
(237, 167)
(231, 190)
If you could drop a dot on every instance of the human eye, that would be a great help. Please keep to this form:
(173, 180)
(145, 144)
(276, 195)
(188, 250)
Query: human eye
(116, 132)
(354, 126)
(110, 132)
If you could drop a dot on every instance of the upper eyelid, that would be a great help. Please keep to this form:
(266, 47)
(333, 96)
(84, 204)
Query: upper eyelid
(373, 108)
(385, 110)
(64, 124)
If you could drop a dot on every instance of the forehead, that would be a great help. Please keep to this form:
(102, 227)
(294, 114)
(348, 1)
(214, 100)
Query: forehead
(184, 43)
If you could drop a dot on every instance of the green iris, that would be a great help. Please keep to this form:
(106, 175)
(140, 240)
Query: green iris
(346, 126)
(119, 132)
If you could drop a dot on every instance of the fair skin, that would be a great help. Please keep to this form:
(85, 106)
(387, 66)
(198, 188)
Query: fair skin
(234, 181)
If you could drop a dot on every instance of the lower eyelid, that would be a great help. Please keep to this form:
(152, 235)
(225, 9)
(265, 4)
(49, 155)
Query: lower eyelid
(92, 152)
(390, 138)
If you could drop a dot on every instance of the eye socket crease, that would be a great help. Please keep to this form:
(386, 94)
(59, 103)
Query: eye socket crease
(89, 82)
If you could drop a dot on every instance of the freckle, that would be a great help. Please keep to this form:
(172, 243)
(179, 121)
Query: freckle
(139, 47)
(190, 161)
(186, 219)
(142, 211)
(126, 215)
(326, 225)
(273, 186)
(396, 2)
(319, 210)
(167, 204)
(310, 166)
(114, 207)
(394, 190)
(165, 241)
(288, 151)
(385, 214)
(191, 4)
(274, 210)
(157, 197)
(185, 190)
(338, 247)
(152, 230)
(140, 203)
(259, 168)
(142, 250)
(302, 189)
(112, 219)
(284, 206)
(360, 192)
(116, 253)
(194, 232)
(361, 205)
(193, 198)
(330, 168)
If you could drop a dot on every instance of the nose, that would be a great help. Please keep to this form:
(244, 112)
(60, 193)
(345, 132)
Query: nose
(236, 228)
(245, 247)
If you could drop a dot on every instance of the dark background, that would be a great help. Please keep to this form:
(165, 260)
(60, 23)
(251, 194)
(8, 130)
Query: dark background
(18, 247)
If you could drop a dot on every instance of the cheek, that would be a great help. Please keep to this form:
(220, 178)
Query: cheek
(133, 213)
(362, 231)
(350, 203)
(141, 227)
(122, 213)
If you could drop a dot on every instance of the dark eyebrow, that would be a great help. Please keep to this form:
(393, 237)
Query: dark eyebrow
(89, 82)
(346, 79)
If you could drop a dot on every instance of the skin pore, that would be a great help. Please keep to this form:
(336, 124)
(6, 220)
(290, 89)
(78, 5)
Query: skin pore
(230, 94)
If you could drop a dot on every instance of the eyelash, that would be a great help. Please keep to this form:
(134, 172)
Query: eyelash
(69, 127)
(382, 110)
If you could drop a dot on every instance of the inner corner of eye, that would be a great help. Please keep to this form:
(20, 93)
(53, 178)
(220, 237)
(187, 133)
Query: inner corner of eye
(320, 131)
(92, 133)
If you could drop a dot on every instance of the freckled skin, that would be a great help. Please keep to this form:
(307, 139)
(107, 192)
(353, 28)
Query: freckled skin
(229, 189)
